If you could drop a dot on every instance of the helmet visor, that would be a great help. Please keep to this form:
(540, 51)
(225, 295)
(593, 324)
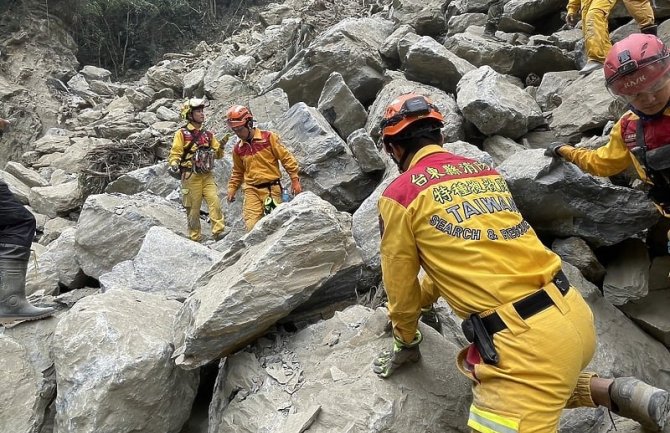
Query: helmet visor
(633, 79)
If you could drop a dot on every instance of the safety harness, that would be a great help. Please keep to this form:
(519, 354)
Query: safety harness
(202, 160)
(268, 204)
(656, 163)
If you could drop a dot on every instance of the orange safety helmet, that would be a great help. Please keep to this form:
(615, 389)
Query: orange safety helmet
(404, 111)
(238, 115)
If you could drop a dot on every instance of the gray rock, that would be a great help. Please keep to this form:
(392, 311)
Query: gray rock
(548, 94)
(59, 262)
(389, 49)
(28, 177)
(560, 200)
(423, 15)
(20, 190)
(517, 60)
(286, 378)
(587, 96)
(111, 228)
(327, 166)
(365, 151)
(160, 76)
(194, 83)
(495, 106)
(365, 226)
(153, 178)
(95, 73)
(113, 353)
(627, 277)
(239, 298)
(53, 228)
(578, 253)
(350, 48)
(167, 265)
(27, 376)
(57, 200)
(500, 148)
(651, 313)
(430, 63)
(340, 107)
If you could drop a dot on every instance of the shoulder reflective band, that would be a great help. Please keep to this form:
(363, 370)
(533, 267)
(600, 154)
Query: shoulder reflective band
(489, 422)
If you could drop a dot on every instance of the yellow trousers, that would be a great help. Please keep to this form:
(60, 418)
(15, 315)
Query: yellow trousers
(641, 12)
(595, 28)
(252, 209)
(195, 187)
(540, 369)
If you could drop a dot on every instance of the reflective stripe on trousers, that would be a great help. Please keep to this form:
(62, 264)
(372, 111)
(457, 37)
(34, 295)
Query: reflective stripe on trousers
(488, 422)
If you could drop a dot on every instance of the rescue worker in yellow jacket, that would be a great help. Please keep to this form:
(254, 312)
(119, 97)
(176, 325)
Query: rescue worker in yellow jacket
(532, 333)
(256, 158)
(594, 15)
(191, 159)
(637, 69)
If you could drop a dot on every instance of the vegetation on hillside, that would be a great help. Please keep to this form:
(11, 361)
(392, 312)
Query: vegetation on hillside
(133, 34)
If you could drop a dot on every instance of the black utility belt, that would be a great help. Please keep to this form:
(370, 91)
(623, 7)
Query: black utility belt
(528, 306)
(479, 330)
(267, 184)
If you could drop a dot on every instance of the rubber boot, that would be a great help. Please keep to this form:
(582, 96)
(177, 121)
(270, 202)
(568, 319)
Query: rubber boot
(589, 67)
(13, 303)
(429, 317)
(640, 402)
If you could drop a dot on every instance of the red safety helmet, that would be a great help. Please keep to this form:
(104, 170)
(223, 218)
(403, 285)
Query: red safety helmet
(636, 64)
(238, 115)
(404, 111)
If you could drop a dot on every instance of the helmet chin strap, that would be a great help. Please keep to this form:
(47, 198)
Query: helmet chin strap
(646, 117)
(400, 163)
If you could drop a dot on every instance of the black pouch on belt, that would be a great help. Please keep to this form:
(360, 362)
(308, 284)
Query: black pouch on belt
(475, 332)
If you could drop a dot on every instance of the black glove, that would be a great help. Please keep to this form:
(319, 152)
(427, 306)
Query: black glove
(173, 171)
(552, 149)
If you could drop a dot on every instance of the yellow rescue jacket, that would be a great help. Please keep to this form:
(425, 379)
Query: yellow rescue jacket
(256, 162)
(456, 218)
(615, 156)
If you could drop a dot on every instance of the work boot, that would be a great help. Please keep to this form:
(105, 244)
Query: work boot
(490, 29)
(589, 67)
(650, 30)
(429, 317)
(13, 304)
(641, 402)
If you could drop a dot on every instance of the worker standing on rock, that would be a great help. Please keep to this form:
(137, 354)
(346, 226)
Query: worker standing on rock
(595, 26)
(256, 158)
(17, 230)
(191, 160)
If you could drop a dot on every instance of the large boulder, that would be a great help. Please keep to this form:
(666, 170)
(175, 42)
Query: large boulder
(303, 252)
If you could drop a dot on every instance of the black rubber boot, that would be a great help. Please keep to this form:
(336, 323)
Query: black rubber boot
(429, 317)
(13, 304)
